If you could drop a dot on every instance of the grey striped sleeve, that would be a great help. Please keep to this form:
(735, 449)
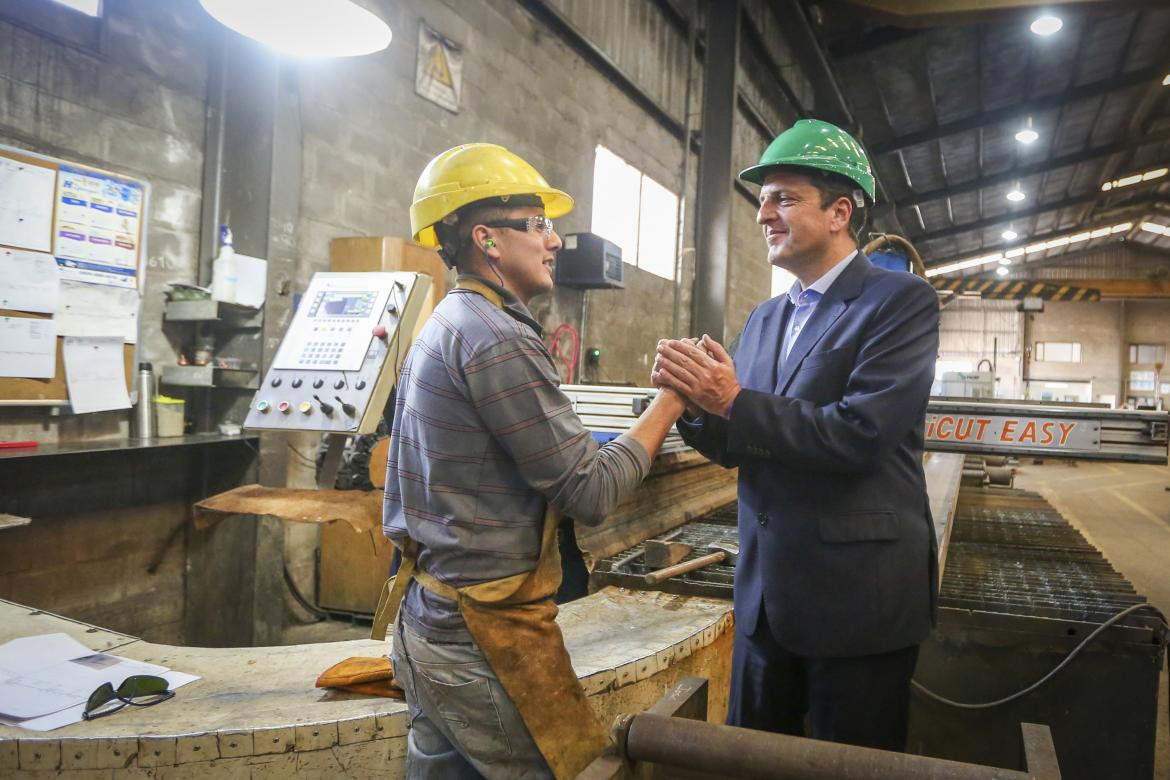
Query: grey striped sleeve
(513, 386)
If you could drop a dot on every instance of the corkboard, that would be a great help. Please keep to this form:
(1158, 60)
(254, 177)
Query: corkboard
(16, 390)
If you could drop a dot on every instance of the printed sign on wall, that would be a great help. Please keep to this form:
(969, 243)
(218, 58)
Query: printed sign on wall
(439, 73)
(95, 238)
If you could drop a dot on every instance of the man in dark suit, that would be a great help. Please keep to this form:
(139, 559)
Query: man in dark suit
(822, 410)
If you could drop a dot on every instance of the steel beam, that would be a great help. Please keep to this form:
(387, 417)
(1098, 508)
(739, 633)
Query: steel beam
(1009, 216)
(713, 202)
(1030, 107)
(1022, 171)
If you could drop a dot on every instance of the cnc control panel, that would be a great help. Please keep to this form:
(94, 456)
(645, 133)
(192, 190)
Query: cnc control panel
(341, 355)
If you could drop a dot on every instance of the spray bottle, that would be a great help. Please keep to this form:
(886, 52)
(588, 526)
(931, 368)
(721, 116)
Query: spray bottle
(224, 277)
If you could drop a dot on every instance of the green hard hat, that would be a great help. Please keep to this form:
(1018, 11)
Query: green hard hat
(811, 143)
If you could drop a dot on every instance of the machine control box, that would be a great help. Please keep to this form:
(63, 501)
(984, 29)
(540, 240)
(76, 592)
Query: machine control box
(341, 355)
(589, 262)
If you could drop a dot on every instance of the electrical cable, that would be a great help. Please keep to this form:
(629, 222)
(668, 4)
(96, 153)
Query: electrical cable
(300, 598)
(1072, 654)
(305, 459)
(569, 362)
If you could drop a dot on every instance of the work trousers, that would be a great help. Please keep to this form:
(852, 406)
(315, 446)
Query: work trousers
(859, 700)
(462, 722)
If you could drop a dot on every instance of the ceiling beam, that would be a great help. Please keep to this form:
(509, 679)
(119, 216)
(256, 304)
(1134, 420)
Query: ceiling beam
(1044, 166)
(1120, 288)
(1011, 216)
(1145, 76)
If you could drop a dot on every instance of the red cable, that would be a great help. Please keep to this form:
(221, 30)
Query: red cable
(568, 362)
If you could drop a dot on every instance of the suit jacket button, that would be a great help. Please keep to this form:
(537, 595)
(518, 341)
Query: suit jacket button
(763, 518)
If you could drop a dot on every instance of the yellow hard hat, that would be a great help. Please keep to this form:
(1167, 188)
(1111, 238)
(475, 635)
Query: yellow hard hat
(472, 172)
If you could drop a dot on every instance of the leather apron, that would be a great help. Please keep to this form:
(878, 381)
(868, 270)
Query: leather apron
(513, 621)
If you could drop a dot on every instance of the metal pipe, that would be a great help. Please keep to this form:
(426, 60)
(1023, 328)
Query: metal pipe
(706, 748)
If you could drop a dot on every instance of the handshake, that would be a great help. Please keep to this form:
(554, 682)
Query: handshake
(700, 371)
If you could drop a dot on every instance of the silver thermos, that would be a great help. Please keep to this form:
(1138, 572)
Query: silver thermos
(144, 427)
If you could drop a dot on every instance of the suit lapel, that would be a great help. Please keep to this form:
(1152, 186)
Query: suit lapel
(831, 306)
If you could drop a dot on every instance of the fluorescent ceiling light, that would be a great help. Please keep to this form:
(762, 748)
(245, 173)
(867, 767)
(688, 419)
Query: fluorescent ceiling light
(1009, 235)
(1001, 271)
(1004, 261)
(1047, 25)
(1014, 252)
(1005, 258)
(1034, 248)
(1135, 178)
(87, 7)
(1074, 239)
(1154, 227)
(1124, 226)
(307, 29)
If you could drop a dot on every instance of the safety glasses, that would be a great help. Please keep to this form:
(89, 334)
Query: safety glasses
(139, 690)
(537, 224)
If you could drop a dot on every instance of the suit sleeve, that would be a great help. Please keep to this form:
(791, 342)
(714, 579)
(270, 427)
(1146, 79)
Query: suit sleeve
(885, 396)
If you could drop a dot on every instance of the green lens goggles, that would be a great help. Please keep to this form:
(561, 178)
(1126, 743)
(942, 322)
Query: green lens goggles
(140, 690)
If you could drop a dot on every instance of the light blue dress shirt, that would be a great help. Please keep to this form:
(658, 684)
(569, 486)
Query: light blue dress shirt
(805, 301)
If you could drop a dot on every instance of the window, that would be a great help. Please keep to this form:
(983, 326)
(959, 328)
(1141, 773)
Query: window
(87, 7)
(1141, 380)
(635, 212)
(1058, 352)
(781, 281)
(1147, 354)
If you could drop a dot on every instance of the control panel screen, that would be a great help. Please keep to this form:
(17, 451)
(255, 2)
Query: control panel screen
(342, 304)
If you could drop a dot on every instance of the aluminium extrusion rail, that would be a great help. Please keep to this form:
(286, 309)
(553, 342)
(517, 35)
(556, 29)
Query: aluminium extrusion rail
(989, 427)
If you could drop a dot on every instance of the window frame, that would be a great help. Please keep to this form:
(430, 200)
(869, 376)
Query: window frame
(632, 255)
(1041, 348)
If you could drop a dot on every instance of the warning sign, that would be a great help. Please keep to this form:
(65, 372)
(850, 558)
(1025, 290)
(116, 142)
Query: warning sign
(439, 74)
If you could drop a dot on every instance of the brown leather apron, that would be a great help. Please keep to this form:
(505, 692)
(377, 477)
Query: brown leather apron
(513, 620)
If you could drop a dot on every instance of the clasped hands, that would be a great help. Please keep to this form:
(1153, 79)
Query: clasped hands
(700, 370)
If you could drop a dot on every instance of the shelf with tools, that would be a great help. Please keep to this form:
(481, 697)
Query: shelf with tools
(225, 351)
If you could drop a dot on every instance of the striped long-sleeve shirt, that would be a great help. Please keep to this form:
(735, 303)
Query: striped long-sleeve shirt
(482, 441)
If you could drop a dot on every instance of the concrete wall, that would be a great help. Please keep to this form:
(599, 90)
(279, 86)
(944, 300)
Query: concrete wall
(133, 101)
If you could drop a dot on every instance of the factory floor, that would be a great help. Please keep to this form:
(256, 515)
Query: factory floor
(1124, 511)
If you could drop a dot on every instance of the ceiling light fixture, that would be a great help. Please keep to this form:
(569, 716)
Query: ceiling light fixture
(1027, 135)
(1016, 194)
(1154, 227)
(308, 29)
(1001, 271)
(1046, 25)
(1010, 235)
(1166, 80)
(1134, 178)
(1004, 258)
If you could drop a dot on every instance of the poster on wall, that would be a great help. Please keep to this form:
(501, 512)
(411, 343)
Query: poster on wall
(26, 204)
(95, 234)
(438, 75)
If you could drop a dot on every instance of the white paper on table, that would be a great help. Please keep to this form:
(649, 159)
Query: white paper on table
(26, 204)
(45, 680)
(95, 374)
(98, 310)
(28, 347)
(251, 280)
(28, 281)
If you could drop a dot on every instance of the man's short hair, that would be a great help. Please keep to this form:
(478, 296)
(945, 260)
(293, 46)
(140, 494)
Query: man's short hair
(454, 232)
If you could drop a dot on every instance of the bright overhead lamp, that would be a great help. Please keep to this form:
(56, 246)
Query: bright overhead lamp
(1010, 235)
(308, 29)
(1005, 260)
(1134, 178)
(1154, 227)
(1027, 135)
(1046, 25)
(1016, 195)
(1001, 271)
(1166, 80)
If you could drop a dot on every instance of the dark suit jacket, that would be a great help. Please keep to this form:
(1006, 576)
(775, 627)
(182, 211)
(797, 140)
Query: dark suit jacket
(836, 538)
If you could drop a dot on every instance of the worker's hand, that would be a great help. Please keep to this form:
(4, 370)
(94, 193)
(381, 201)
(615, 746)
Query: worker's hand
(672, 400)
(701, 371)
(691, 409)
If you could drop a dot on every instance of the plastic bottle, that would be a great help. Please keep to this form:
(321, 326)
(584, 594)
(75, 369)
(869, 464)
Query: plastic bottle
(224, 277)
(144, 411)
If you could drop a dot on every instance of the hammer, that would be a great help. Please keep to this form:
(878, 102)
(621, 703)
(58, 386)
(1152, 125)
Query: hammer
(724, 550)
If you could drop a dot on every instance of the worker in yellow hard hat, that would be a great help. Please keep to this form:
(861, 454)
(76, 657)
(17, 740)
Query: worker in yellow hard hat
(822, 409)
(486, 452)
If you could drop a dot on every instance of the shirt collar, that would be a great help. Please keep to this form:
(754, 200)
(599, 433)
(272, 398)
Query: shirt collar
(822, 285)
(511, 303)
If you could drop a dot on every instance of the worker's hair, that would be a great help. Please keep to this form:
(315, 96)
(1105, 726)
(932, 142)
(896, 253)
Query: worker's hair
(833, 186)
(454, 231)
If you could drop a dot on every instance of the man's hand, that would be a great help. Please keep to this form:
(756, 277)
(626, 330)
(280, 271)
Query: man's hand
(702, 371)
